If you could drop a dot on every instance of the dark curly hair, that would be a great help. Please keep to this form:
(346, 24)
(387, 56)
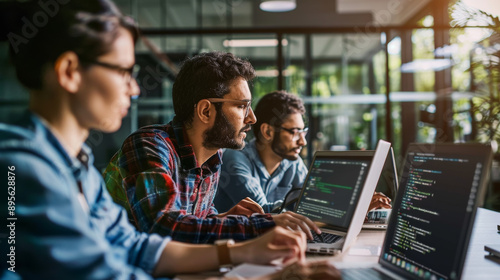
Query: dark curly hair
(273, 108)
(87, 28)
(206, 75)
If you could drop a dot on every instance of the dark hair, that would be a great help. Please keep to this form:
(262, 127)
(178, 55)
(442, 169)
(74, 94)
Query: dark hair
(206, 75)
(87, 28)
(273, 108)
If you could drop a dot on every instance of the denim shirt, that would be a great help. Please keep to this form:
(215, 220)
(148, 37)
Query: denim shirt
(244, 175)
(58, 232)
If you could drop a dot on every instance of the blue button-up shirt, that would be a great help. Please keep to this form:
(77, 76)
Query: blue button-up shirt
(244, 175)
(66, 225)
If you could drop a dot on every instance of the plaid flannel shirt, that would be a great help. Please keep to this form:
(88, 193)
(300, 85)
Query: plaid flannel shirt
(156, 177)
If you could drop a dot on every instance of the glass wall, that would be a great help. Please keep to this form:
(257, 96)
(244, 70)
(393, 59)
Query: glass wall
(408, 83)
(341, 77)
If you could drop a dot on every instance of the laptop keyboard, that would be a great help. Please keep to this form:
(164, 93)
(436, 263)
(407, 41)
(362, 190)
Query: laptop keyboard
(324, 238)
(362, 274)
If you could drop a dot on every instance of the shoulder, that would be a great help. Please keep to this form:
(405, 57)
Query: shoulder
(9, 132)
(229, 154)
(35, 172)
(26, 146)
(236, 156)
(295, 165)
(235, 161)
(152, 132)
(151, 137)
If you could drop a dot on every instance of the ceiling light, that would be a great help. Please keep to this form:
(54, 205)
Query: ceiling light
(277, 5)
(253, 43)
(421, 65)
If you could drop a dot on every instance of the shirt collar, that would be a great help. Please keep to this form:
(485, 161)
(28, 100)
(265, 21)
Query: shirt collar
(84, 158)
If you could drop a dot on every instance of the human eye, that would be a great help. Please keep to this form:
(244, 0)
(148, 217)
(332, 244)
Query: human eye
(124, 73)
(242, 106)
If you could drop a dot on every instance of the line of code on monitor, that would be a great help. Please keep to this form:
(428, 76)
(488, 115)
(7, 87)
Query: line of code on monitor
(332, 189)
(439, 190)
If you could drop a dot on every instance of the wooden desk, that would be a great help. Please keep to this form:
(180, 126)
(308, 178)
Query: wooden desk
(477, 266)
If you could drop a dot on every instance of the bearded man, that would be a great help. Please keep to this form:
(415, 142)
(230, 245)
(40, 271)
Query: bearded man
(166, 176)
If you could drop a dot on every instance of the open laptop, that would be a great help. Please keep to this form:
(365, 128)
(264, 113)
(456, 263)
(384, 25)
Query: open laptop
(337, 192)
(387, 184)
(431, 222)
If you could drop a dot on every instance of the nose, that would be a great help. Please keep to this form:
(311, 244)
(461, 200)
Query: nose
(302, 139)
(251, 118)
(133, 88)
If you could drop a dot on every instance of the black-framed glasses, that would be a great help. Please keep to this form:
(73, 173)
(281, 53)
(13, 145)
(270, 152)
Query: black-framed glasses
(245, 102)
(129, 73)
(295, 132)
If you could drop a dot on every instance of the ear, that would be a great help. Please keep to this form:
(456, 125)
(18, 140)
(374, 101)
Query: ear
(266, 131)
(204, 112)
(67, 71)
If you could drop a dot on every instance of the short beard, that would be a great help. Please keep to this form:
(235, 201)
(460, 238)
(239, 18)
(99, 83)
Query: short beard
(280, 149)
(222, 134)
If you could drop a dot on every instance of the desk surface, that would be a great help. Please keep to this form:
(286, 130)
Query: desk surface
(368, 246)
(477, 266)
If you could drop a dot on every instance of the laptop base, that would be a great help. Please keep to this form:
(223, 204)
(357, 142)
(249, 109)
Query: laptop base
(323, 251)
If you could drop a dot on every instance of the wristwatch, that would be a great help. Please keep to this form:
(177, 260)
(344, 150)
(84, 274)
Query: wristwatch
(225, 263)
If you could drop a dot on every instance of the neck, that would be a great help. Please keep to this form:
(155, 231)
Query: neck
(268, 157)
(62, 122)
(195, 137)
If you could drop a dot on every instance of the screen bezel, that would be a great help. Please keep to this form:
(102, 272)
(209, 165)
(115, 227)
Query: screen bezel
(351, 155)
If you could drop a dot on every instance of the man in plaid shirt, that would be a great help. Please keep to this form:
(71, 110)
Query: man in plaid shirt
(166, 175)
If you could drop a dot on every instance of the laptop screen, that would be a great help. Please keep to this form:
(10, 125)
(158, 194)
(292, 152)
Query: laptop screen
(332, 189)
(433, 214)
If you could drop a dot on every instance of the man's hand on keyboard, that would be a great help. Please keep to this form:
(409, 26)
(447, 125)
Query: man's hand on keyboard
(296, 221)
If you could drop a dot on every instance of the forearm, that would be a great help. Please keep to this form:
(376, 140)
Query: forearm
(190, 229)
(278, 243)
(178, 258)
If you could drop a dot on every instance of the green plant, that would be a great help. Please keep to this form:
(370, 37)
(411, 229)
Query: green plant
(485, 70)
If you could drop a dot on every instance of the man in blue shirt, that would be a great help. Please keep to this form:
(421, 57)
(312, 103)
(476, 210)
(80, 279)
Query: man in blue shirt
(270, 165)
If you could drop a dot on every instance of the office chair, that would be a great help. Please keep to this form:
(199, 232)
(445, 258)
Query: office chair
(287, 201)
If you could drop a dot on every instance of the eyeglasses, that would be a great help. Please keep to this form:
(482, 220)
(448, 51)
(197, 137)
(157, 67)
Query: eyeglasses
(128, 73)
(295, 132)
(245, 102)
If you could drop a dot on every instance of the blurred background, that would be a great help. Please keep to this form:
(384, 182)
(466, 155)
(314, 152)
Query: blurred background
(405, 71)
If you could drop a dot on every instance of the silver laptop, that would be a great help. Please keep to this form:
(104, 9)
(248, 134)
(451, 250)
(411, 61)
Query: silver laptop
(387, 184)
(337, 192)
(431, 222)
